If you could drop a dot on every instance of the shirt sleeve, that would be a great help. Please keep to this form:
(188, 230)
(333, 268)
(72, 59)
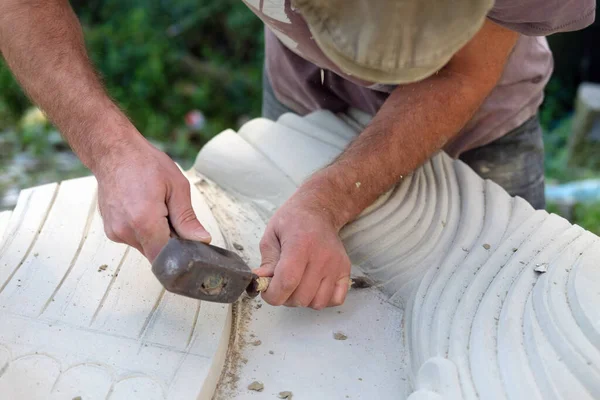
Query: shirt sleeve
(543, 17)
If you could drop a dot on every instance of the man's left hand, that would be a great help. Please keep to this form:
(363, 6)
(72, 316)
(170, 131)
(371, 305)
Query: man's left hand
(302, 251)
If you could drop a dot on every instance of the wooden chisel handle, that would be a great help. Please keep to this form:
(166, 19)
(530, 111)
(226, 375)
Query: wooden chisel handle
(261, 284)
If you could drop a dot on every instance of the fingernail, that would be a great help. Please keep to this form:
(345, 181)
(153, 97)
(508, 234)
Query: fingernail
(203, 236)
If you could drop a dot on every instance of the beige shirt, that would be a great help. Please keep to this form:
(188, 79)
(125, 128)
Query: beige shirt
(304, 79)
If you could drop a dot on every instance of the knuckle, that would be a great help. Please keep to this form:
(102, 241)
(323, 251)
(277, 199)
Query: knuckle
(176, 175)
(111, 235)
(336, 302)
(328, 260)
(341, 257)
(342, 262)
(289, 284)
(180, 186)
(140, 220)
(301, 302)
(184, 185)
(346, 260)
(266, 246)
(120, 231)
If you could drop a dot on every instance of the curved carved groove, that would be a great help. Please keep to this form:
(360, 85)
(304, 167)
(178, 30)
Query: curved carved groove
(512, 360)
(582, 294)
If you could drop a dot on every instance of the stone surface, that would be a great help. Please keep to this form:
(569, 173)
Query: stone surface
(83, 316)
(297, 351)
(458, 310)
(459, 256)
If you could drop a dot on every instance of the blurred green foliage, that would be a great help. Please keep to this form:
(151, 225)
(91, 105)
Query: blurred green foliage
(558, 101)
(556, 119)
(555, 142)
(588, 216)
(12, 100)
(161, 59)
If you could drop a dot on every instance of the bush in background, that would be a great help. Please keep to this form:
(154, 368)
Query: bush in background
(161, 59)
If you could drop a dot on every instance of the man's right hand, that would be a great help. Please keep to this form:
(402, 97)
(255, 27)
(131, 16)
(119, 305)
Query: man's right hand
(141, 190)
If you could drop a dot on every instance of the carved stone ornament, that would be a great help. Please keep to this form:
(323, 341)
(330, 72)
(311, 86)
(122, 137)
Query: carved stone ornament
(476, 295)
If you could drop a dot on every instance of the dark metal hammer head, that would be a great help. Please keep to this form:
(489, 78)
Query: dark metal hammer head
(202, 271)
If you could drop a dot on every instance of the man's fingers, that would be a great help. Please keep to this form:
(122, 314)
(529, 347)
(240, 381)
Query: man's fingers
(122, 233)
(118, 229)
(339, 292)
(289, 271)
(323, 296)
(153, 237)
(182, 215)
(307, 289)
(270, 250)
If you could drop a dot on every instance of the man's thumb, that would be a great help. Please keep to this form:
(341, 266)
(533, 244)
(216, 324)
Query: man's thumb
(270, 252)
(184, 221)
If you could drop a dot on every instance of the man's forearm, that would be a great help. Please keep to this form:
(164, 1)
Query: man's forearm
(42, 42)
(412, 125)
